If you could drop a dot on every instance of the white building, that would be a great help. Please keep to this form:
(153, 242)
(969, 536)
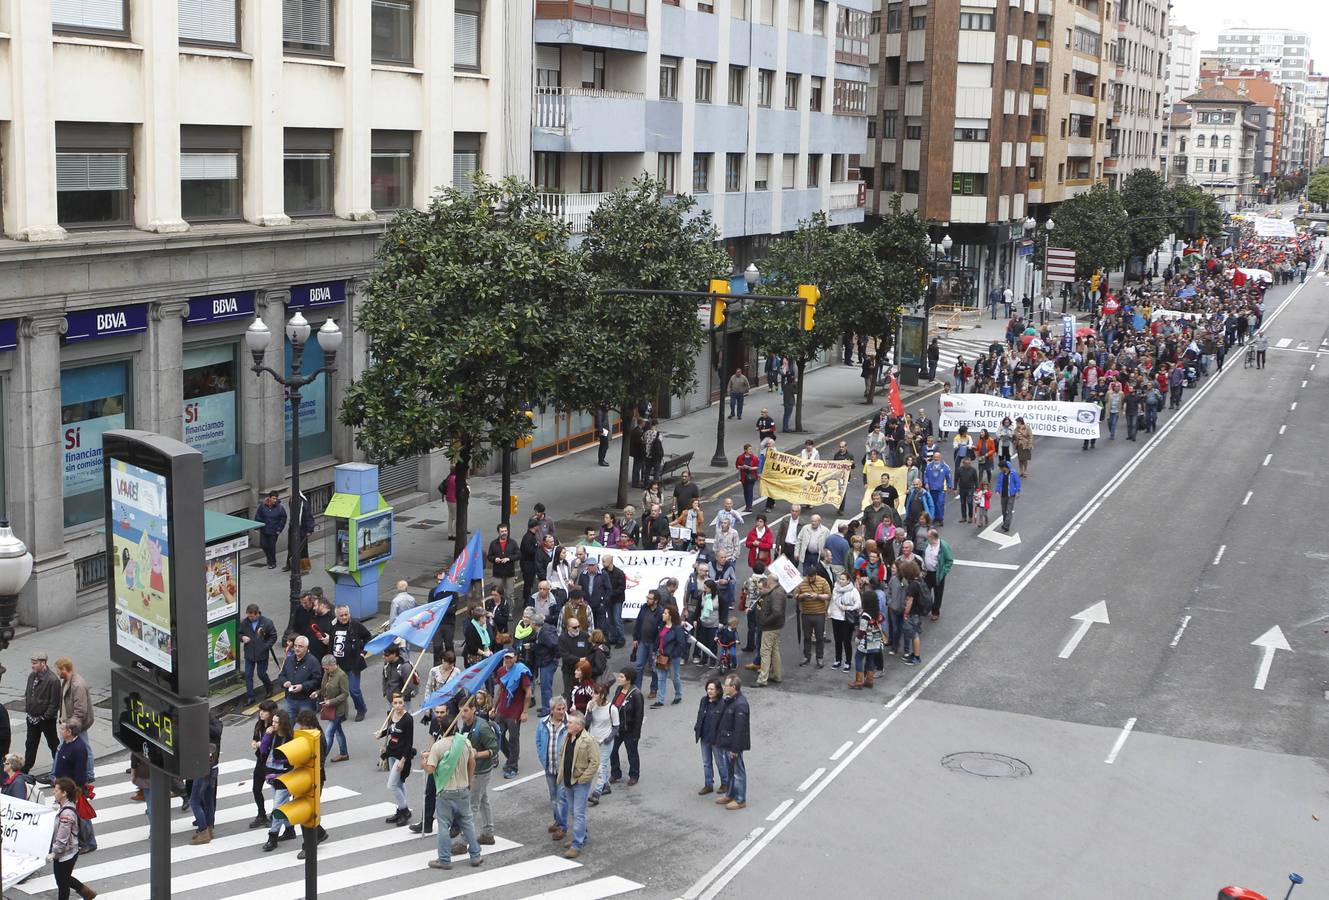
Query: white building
(1139, 86)
(1286, 55)
(1215, 145)
(1183, 63)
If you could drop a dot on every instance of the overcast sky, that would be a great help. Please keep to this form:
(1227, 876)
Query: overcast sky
(1208, 17)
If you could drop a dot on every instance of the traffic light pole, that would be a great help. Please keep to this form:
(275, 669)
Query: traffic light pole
(719, 459)
(311, 861)
(159, 833)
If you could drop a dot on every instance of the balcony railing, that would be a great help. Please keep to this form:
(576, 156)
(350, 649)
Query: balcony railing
(575, 209)
(847, 194)
(625, 13)
(551, 104)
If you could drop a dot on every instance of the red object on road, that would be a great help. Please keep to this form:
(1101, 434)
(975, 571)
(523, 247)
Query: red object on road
(1232, 892)
(893, 397)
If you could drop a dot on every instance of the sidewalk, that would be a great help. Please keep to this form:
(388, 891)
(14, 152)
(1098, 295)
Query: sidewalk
(574, 488)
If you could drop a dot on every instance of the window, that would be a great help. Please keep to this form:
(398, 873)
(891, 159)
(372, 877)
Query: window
(393, 27)
(1199, 141)
(837, 167)
(969, 184)
(705, 7)
(913, 132)
(888, 122)
(209, 22)
(391, 169)
(465, 159)
(1037, 122)
(1227, 142)
(765, 14)
(466, 35)
(814, 99)
(548, 171)
(308, 172)
(762, 174)
(971, 134)
(918, 23)
(93, 399)
(851, 97)
(92, 175)
(1086, 42)
(909, 181)
(765, 86)
(814, 170)
(209, 173)
(1061, 173)
(733, 172)
(704, 72)
(791, 91)
(306, 27)
(737, 83)
(893, 18)
(668, 78)
(211, 415)
(976, 21)
(1225, 165)
(794, 10)
(1213, 165)
(592, 173)
(888, 176)
(666, 165)
(818, 16)
(108, 17)
(787, 165)
(593, 69)
(701, 173)
(851, 36)
(316, 408)
(738, 9)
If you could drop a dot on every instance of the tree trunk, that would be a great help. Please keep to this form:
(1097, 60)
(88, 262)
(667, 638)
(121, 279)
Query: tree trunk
(624, 457)
(798, 400)
(463, 498)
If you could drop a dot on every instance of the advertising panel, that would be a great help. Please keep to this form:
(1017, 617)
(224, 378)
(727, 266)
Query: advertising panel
(141, 568)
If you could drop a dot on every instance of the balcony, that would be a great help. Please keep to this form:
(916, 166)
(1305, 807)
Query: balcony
(847, 195)
(575, 209)
(588, 120)
(622, 13)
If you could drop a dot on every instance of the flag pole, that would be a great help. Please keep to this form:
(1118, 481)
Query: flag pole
(419, 656)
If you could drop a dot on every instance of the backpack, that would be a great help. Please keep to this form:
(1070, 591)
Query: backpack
(923, 602)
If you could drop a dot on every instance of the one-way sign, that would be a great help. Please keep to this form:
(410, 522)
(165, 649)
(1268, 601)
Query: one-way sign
(1060, 264)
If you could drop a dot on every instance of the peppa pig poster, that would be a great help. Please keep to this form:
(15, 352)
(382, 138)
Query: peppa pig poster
(141, 563)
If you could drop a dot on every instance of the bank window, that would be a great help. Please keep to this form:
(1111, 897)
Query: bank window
(465, 160)
(733, 172)
(105, 17)
(210, 22)
(93, 400)
(209, 173)
(212, 410)
(315, 402)
(390, 170)
(704, 72)
(307, 170)
(306, 27)
(93, 169)
(668, 78)
(701, 173)
(393, 25)
(466, 35)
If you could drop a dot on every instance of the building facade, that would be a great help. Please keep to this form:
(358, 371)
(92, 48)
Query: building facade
(1183, 63)
(175, 168)
(1139, 87)
(1286, 55)
(1216, 145)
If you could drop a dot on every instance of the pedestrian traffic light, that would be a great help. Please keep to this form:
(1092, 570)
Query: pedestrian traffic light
(302, 780)
(512, 504)
(1094, 281)
(1191, 223)
(810, 296)
(718, 286)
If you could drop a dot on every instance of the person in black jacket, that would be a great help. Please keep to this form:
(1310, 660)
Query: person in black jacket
(631, 712)
(320, 627)
(477, 637)
(733, 737)
(618, 586)
(257, 635)
(703, 731)
(446, 632)
(546, 655)
(397, 677)
(655, 529)
(266, 710)
(398, 752)
(645, 634)
(304, 521)
(271, 516)
(573, 647)
(530, 549)
(349, 636)
(502, 556)
(301, 676)
(595, 587)
(41, 702)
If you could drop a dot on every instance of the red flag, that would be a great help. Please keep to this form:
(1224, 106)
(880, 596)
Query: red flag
(1238, 277)
(897, 407)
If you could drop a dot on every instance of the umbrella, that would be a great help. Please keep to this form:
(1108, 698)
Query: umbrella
(1085, 331)
(1026, 339)
(1031, 330)
(1186, 292)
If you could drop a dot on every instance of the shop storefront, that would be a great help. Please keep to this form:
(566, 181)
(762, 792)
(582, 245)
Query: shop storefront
(213, 372)
(318, 302)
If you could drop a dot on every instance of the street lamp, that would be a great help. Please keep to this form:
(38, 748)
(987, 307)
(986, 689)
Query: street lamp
(15, 569)
(257, 339)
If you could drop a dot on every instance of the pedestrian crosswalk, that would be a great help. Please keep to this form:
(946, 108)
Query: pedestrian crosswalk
(955, 347)
(361, 858)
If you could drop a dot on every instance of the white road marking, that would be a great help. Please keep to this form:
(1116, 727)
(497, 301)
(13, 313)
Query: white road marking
(1284, 342)
(1087, 618)
(229, 767)
(714, 882)
(1248, 498)
(867, 725)
(841, 752)
(611, 886)
(1282, 428)
(1270, 642)
(132, 810)
(979, 564)
(1001, 539)
(1303, 384)
(1176, 638)
(780, 810)
(516, 781)
(811, 779)
(1294, 405)
(1219, 555)
(1121, 740)
(1312, 367)
(1266, 459)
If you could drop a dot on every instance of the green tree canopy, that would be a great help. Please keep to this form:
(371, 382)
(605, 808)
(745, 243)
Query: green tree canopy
(465, 315)
(900, 242)
(1144, 195)
(1318, 191)
(1085, 224)
(1183, 196)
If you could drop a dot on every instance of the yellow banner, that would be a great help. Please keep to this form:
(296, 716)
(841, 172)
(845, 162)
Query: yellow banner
(874, 471)
(787, 477)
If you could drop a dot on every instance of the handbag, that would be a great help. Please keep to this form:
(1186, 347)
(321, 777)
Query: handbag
(328, 713)
(661, 661)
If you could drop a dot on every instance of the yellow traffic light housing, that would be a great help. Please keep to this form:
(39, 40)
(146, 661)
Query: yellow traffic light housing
(718, 286)
(529, 438)
(303, 780)
(810, 295)
(512, 504)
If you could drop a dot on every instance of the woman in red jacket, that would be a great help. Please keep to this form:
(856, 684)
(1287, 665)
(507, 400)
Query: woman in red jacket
(759, 542)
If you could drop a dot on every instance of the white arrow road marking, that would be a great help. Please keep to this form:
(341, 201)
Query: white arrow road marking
(1087, 618)
(1000, 538)
(1284, 342)
(1271, 641)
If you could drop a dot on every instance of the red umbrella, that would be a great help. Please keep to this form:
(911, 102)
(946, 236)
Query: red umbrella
(1084, 332)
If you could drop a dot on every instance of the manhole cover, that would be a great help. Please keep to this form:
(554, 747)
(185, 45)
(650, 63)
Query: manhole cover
(986, 765)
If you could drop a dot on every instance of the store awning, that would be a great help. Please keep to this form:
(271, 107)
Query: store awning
(219, 526)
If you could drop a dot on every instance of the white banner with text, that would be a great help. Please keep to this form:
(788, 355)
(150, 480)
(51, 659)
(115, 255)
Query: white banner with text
(1052, 418)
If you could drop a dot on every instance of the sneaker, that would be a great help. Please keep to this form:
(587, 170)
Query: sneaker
(440, 864)
(558, 834)
(608, 790)
(911, 660)
(752, 667)
(820, 664)
(593, 800)
(631, 782)
(657, 704)
(708, 789)
(477, 861)
(804, 662)
(722, 799)
(360, 716)
(572, 853)
(836, 665)
(734, 804)
(676, 701)
(270, 844)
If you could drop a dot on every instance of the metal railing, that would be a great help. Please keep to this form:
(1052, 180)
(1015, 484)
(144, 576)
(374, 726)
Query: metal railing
(575, 209)
(551, 103)
(846, 194)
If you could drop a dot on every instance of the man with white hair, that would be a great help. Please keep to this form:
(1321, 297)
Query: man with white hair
(300, 676)
(400, 603)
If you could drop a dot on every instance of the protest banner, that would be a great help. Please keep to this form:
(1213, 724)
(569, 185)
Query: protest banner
(786, 476)
(1052, 418)
(899, 474)
(25, 838)
(785, 572)
(645, 569)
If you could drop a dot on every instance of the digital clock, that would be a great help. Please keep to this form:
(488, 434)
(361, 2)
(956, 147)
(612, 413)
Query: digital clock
(170, 733)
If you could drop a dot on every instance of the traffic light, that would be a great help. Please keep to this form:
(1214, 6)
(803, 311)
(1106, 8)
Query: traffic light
(512, 504)
(302, 780)
(1191, 223)
(718, 286)
(1094, 281)
(529, 438)
(810, 296)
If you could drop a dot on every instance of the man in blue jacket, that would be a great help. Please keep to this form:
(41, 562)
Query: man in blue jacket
(1007, 488)
(733, 737)
(271, 516)
(937, 479)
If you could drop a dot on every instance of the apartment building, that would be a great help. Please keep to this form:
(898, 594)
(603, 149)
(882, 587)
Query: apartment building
(1286, 55)
(175, 168)
(1216, 145)
(1317, 119)
(1270, 103)
(1183, 63)
(955, 96)
(1139, 87)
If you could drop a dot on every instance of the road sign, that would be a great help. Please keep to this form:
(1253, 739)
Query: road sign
(1060, 264)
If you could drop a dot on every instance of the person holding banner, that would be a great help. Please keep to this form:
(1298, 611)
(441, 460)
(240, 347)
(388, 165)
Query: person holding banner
(748, 471)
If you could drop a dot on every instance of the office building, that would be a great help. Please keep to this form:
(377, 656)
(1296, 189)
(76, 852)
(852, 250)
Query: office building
(1216, 145)
(1183, 63)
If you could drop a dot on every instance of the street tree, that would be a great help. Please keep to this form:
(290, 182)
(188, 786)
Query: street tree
(639, 348)
(1090, 224)
(1318, 190)
(1144, 195)
(1183, 196)
(900, 243)
(463, 315)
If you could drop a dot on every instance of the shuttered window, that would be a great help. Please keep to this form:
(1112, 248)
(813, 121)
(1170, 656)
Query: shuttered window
(92, 171)
(465, 160)
(307, 26)
(110, 16)
(209, 166)
(466, 35)
(209, 22)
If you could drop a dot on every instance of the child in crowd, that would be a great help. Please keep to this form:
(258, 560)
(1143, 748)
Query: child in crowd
(984, 502)
(727, 643)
